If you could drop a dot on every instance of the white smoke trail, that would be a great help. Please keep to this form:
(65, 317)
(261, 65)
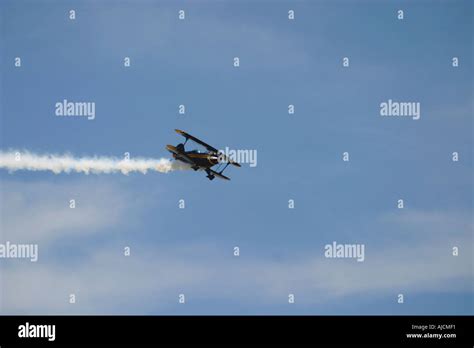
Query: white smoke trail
(24, 160)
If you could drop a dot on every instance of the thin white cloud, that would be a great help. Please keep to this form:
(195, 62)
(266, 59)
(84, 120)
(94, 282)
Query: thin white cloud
(109, 282)
(106, 281)
(40, 212)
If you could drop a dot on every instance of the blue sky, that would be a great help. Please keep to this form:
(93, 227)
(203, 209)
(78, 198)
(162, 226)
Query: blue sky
(299, 156)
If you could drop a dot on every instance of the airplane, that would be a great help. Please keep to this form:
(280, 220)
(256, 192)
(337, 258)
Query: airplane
(201, 160)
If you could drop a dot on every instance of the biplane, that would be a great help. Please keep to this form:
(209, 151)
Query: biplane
(202, 160)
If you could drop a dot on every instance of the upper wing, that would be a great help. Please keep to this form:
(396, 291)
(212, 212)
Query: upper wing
(197, 141)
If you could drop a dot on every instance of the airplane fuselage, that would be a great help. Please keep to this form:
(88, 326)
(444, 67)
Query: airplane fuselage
(194, 158)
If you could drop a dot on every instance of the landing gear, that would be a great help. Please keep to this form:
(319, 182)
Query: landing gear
(210, 176)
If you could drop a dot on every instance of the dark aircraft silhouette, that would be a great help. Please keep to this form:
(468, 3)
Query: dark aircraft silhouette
(201, 160)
